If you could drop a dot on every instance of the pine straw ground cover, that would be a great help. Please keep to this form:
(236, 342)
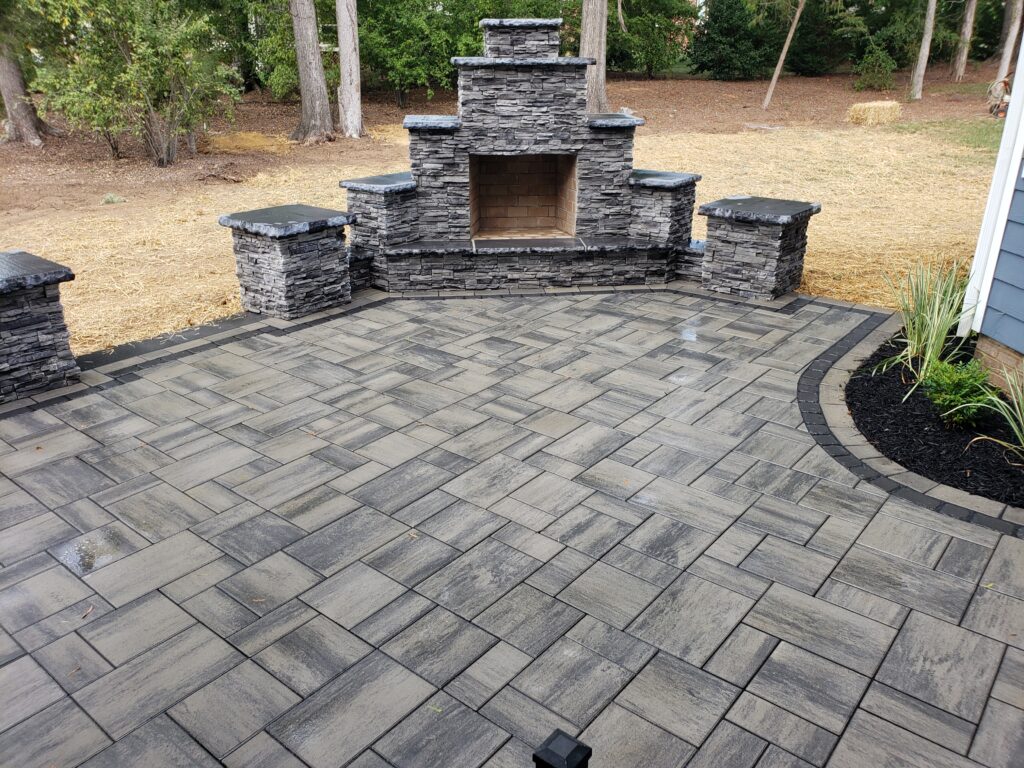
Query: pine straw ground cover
(159, 262)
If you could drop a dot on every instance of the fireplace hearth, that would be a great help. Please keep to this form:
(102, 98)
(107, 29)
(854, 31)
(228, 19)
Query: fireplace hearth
(522, 187)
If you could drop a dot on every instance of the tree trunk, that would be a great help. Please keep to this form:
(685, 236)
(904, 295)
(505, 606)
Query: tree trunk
(23, 124)
(161, 139)
(964, 45)
(593, 44)
(350, 105)
(316, 125)
(917, 77)
(1009, 48)
(782, 56)
(1007, 18)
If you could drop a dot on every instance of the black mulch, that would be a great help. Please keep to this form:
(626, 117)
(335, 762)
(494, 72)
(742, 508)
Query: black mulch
(912, 434)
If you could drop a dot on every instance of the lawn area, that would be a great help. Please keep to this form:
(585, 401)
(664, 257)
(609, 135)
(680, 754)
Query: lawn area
(158, 262)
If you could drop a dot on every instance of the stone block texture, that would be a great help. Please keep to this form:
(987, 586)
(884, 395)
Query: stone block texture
(527, 268)
(35, 353)
(755, 260)
(289, 277)
(519, 100)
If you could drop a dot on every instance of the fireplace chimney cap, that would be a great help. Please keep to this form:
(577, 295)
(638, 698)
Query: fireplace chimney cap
(521, 23)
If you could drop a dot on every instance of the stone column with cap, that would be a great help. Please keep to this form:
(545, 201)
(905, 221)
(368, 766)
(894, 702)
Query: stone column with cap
(35, 352)
(755, 245)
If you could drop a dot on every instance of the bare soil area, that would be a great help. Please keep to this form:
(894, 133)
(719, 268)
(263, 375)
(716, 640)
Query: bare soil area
(152, 259)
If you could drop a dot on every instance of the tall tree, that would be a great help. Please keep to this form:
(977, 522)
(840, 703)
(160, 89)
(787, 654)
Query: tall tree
(782, 55)
(350, 105)
(917, 76)
(963, 46)
(315, 125)
(594, 44)
(23, 123)
(1012, 33)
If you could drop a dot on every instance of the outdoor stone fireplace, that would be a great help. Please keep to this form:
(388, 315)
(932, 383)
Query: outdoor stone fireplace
(522, 186)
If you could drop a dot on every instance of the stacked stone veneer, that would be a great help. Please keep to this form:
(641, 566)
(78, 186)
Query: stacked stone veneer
(35, 354)
(521, 98)
(755, 246)
(440, 266)
(291, 261)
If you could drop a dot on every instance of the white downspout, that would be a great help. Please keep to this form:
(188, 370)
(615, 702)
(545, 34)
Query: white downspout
(997, 208)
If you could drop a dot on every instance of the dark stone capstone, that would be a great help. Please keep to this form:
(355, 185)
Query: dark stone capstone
(387, 182)
(286, 220)
(760, 210)
(614, 120)
(20, 270)
(431, 122)
(521, 23)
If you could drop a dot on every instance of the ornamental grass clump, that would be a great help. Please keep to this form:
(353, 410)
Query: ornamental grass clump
(931, 301)
(1009, 405)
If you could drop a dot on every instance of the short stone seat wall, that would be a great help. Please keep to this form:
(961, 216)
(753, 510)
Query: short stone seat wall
(291, 259)
(522, 263)
(755, 245)
(35, 353)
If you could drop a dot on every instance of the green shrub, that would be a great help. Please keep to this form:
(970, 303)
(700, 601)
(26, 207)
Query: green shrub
(728, 45)
(875, 70)
(826, 37)
(959, 391)
(931, 301)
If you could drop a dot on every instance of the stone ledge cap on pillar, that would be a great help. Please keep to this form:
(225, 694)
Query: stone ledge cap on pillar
(20, 270)
(437, 123)
(286, 220)
(507, 62)
(614, 120)
(388, 182)
(521, 23)
(662, 179)
(760, 210)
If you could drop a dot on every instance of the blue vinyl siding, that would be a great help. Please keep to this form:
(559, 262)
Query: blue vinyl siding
(1004, 315)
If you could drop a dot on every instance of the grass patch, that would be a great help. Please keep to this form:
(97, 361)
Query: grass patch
(983, 134)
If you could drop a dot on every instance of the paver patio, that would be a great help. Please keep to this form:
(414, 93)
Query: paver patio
(431, 531)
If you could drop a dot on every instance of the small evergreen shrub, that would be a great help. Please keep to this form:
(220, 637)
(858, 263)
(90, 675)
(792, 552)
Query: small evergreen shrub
(875, 70)
(729, 45)
(959, 391)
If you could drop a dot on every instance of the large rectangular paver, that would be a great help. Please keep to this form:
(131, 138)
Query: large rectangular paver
(348, 714)
(131, 694)
(152, 567)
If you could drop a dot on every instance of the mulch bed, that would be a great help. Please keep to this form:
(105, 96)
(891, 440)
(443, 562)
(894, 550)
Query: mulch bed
(912, 434)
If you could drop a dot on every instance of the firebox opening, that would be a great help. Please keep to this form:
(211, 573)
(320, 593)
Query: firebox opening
(522, 196)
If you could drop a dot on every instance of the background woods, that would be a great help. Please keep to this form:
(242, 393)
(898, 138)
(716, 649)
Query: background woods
(161, 70)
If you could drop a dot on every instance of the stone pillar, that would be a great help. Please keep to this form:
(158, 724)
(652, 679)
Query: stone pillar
(755, 245)
(35, 353)
(663, 213)
(291, 260)
(521, 38)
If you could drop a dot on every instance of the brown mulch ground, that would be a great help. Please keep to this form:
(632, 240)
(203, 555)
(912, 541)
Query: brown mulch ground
(158, 262)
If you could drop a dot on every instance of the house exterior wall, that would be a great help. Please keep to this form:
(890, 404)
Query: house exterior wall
(1001, 344)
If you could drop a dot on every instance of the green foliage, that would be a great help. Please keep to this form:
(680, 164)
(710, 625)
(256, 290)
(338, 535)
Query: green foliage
(930, 300)
(655, 36)
(959, 391)
(145, 66)
(875, 70)
(827, 35)
(1011, 407)
(729, 45)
